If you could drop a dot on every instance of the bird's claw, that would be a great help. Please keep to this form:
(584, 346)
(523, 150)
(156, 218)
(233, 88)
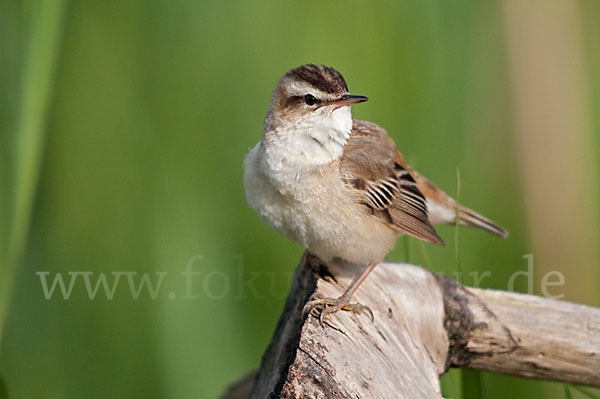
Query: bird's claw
(326, 306)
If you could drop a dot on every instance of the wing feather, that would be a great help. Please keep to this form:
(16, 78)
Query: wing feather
(374, 167)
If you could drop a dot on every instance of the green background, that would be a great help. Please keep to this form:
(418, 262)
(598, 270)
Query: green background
(124, 125)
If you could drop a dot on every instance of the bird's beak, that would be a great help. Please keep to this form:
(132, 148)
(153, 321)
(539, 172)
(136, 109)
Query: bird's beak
(348, 99)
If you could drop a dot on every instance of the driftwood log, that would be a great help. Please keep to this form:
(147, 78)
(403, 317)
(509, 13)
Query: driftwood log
(424, 324)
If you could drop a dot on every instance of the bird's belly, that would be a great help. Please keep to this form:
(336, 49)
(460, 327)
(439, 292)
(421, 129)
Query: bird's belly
(323, 218)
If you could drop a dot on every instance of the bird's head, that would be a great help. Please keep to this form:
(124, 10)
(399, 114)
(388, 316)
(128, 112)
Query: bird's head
(310, 113)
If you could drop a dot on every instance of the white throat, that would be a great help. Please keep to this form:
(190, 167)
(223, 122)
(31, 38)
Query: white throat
(315, 140)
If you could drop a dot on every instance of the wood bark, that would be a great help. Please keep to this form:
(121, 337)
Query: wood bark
(423, 325)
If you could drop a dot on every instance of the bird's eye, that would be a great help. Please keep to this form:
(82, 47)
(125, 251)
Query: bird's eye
(309, 99)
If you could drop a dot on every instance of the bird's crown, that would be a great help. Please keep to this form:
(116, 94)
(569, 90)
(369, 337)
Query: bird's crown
(321, 77)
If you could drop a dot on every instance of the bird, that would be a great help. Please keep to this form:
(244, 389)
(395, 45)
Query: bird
(337, 186)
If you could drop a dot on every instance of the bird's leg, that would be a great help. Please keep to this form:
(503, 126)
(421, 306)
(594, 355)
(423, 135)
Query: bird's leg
(324, 307)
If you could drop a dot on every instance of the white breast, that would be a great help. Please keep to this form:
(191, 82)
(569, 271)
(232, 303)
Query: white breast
(313, 207)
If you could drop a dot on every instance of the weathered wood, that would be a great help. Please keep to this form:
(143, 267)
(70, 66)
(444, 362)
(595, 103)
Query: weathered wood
(423, 325)
(549, 339)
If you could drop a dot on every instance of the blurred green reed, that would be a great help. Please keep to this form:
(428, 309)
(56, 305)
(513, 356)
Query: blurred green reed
(37, 78)
(123, 128)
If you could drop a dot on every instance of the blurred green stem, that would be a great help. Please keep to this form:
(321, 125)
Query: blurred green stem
(37, 78)
(472, 387)
(457, 228)
(583, 391)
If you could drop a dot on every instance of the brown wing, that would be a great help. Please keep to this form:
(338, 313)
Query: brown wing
(376, 169)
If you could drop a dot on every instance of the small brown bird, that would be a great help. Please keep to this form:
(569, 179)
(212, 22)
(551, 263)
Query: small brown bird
(337, 186)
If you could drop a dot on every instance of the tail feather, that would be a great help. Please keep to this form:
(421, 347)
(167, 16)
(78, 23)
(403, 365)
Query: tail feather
(469, 217)
(442, 209)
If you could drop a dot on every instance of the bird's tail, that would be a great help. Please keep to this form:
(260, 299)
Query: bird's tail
(442, 209)
(469, 217)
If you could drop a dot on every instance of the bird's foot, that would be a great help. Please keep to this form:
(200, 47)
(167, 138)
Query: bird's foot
(326, 306)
